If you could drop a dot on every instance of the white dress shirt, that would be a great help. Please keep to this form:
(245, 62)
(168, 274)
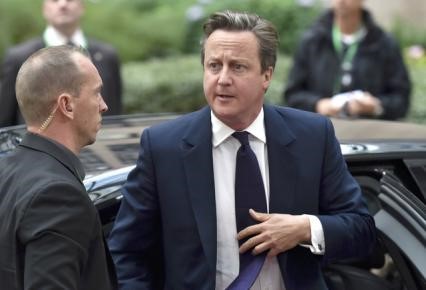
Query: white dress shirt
(53, 37)
(224, 162)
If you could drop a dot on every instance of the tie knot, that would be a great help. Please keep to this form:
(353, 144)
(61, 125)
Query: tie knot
(70, 43)
(242, 137)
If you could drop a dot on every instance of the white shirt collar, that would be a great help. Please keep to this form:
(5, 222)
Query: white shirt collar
(221, 131)
(348, 39)
(52, 37)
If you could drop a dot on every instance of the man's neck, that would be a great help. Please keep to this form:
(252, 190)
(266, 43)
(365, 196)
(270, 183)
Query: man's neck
(58, 136)
(68, 31)
(348, 24)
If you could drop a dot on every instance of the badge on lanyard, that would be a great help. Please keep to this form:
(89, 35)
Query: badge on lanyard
(344, 79)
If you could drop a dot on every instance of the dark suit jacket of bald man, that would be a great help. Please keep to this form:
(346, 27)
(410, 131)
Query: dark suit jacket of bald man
(50, 232)
(103, 56)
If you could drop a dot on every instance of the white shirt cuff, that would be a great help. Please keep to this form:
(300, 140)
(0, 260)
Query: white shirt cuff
(317, 245)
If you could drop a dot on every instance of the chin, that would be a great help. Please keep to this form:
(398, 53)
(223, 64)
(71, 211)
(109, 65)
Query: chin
(91, 140)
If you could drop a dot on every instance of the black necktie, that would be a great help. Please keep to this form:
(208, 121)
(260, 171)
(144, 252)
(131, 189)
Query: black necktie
(71, 43)
(249, 193)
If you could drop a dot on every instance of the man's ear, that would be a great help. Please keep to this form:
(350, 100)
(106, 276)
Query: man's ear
(267, 77)
(66, 105)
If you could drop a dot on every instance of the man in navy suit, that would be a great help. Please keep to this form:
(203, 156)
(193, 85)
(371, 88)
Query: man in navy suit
(176, 228)
(63, 27)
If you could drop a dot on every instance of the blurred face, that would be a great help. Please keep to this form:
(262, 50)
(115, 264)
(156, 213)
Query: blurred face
(63, 14)
(234, 85)
(89, 105)
(346, 7)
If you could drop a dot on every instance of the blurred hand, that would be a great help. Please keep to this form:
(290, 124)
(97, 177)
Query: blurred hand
(275, 233)
(327, 107)
(364, 105)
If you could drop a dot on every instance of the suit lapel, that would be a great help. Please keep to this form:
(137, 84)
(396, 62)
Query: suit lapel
(282, 162)
(282, 172)
(198, 166)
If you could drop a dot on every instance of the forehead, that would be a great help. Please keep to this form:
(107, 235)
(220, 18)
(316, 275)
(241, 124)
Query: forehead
(348, 2)
(232, 41)
(76, 3)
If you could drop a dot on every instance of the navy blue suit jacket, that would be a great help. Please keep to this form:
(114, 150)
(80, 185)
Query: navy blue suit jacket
(165, 232)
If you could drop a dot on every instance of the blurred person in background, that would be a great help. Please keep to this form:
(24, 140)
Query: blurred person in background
(347, 66)
(63, 27)
(50, 234)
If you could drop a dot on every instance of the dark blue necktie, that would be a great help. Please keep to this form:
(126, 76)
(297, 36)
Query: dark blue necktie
(249, 193)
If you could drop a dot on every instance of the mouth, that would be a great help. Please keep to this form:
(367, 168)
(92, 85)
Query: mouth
(224, 97)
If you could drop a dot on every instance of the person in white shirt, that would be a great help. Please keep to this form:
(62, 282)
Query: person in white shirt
(63, 27)
(176, 228)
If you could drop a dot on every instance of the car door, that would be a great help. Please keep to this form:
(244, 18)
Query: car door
(401, 224)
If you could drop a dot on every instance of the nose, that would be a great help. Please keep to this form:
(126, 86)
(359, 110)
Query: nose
(224, 77)
(103, 107)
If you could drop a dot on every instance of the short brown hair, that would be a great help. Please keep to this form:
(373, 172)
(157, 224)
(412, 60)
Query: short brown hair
(45, 75)
(264, 31)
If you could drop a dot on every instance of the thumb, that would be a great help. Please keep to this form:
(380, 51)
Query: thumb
(259, 216)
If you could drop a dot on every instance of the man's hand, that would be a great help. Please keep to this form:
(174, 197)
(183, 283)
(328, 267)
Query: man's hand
(365, 105)
(327, 107)
(275, 233)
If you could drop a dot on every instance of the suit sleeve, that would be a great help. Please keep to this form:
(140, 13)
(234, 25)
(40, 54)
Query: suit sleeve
(135, 241)
(118, 85)
(349, 229)
(56, 231)
(395, 96)
(297, 93)
(9, 105)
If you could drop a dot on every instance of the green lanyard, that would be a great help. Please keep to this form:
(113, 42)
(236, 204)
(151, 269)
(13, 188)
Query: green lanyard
(346, 58)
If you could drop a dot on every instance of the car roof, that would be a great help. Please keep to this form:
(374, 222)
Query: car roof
(378, 130)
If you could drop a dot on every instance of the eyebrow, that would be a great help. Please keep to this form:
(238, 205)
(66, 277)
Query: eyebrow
(231, 59)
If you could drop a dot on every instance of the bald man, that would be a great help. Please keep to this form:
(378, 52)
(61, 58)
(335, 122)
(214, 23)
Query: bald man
(50, 233)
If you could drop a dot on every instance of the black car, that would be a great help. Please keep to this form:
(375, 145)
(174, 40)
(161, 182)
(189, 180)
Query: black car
(388, 159)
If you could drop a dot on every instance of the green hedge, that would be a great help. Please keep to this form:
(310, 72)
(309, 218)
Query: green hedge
(174, 84)
(417, 113)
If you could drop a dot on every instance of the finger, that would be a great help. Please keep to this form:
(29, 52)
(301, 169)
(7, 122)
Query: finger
(262, 247)
(250, 244)
(259, 216)
(249, 231)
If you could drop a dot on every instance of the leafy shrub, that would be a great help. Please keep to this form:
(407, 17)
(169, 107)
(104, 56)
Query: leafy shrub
(407, 35)
(171, 84)
(417, 113)
(18, 22)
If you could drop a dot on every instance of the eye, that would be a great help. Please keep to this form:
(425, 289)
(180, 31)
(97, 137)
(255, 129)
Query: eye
(239, 67)
(214, 66)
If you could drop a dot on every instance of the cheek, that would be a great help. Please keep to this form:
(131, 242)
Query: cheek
(207, 84)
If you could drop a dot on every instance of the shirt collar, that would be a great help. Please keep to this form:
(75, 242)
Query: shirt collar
(52, 37)
(56, 150)
(357, 36)
(221, 131)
